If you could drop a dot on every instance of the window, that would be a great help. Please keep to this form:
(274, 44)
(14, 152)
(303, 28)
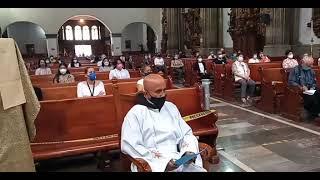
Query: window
(62, 31)
(69, 33)
(77, 33)
(94, 33)
(85, 33)
(83, 50)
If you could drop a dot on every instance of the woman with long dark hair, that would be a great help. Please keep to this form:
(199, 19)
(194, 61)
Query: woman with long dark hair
(105, 66)
(74, 63)
(63, 75)
(42, 68)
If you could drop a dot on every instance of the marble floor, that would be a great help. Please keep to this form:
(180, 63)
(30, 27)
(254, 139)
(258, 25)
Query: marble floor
(249, 141)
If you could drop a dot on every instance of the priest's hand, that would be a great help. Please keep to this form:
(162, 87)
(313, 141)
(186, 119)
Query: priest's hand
(188, 153)
(171, 166)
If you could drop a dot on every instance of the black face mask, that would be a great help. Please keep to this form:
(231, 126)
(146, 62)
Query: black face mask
(158, 102)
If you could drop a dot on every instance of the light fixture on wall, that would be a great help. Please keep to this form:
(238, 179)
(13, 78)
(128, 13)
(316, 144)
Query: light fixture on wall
(81, 20)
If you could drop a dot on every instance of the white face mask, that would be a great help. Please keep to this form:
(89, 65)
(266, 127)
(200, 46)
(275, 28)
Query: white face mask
(220, 55)
(47, 62)
(290, 56)
(255, 56)
(106, 63)
(240, 58)
(75, 61)
(200, 59)
(176, 57)
(63, 71)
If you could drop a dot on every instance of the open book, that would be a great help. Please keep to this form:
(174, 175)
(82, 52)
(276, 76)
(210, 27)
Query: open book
(309, 92)
(186, 158)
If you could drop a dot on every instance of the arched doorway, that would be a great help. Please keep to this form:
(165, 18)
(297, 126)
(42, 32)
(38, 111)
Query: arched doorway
(84, 35)
(30, 38)
(138, 37)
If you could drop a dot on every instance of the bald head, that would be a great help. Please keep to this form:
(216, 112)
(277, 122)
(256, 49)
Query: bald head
(155, 85)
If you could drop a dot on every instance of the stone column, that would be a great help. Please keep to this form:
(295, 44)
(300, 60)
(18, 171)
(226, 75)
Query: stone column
(52, 44)
(173, 34)
(279, 34)
(211, 29)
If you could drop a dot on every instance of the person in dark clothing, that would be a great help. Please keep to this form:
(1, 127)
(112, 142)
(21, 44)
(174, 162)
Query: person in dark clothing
(38, 92)
(200, 68)
(303, 76)
(220, 58)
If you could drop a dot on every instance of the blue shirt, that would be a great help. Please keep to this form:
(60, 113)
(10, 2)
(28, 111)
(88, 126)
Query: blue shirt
(302, 77)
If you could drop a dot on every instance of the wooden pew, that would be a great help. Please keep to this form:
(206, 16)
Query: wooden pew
(75, 126)
(218, 82)
(230, 85)
(272, 89)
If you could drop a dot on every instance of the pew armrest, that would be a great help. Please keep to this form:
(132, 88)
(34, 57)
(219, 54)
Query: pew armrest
(143, 165)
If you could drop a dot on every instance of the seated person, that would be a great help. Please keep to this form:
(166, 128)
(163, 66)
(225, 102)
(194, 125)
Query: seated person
(212, 55)
(159, 63)
(234, 56)
(146, 60)
(178, 67)
(181, 55)
(48, 62)
(105, 66)
(74, 63)
(52, 59)
(122, 58)
(241, 73)
(200, 68)
(220, 59)
(146, 70)
(63, 75)
(303, 76)
(130, 63)
(119, 72)
(263, 58)
(290, 62)
(43, 69)
(254, 59)
(155, 131)
(224, 54)
(90, 87)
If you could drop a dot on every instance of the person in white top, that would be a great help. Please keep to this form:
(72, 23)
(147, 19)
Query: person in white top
(74, 63)
(159, 63)
(254, 59)
(241, 73)
(146, 70)
(43, 69)
(290, 62)
(119, 72)
(90, 87)
(154, 131)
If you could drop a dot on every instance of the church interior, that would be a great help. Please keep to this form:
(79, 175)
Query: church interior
(244, 80)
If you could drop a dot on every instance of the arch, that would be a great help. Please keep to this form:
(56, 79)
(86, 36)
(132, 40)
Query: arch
(151, 44)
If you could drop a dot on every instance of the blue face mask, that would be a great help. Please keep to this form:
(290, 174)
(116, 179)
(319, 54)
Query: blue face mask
(92, 76)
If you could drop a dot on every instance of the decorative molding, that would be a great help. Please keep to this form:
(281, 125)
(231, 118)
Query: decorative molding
(116, 35)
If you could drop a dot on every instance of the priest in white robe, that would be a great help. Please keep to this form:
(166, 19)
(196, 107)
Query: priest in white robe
(155, 131)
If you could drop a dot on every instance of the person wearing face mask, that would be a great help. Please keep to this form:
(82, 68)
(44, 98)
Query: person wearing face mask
(220, 59)
(146, 60)
(105, 66)
(154, 130)
(119, 72)
(212, 55)
(129, 63)
(263, 58)
(146, 70)
(178, 67)
(43, 69)
(290, 62)
(159, 63)
(200, 68)
(63, 75)
(74, 63)
(304, 77)
(241, 73)
(254, 59)
(91, 87)
(48, 62)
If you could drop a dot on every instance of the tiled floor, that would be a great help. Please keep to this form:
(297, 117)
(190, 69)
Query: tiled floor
(250, 142)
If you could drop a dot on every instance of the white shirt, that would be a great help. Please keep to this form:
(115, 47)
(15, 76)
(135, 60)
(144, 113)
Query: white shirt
(123, 74)
(140, 82)
(43, 71)
(158, 61)
(84, 91)
(240, 69)
(252, 60)
(201, 68)
(147, 131)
